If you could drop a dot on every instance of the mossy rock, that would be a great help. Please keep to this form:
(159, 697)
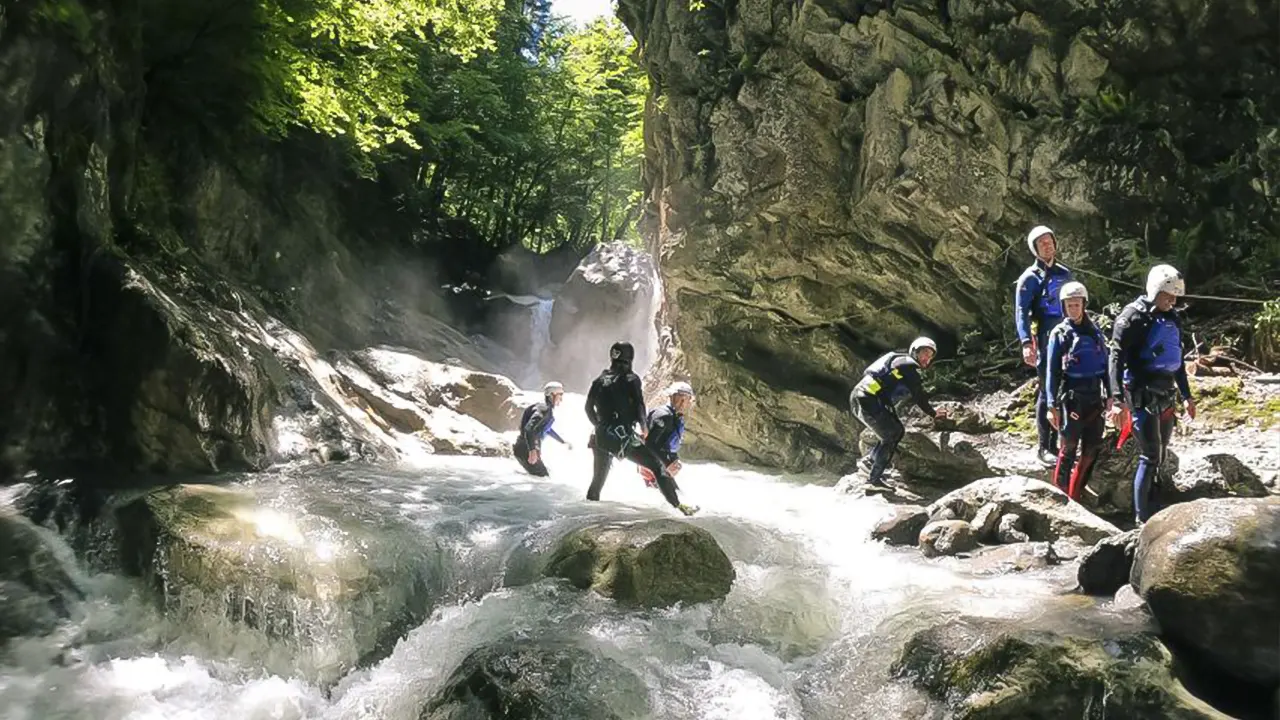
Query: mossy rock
(651, 563)
(988, 669)
(336, 594)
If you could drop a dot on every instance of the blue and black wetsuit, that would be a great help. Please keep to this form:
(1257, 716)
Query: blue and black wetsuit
(535, 424)
(1146, 361)
(666, 432)
(1036, 311)
(615, 403)
(1077, 383)
(892, 377)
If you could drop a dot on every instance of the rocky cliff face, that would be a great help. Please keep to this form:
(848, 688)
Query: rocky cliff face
(152, 284)
(829, 178)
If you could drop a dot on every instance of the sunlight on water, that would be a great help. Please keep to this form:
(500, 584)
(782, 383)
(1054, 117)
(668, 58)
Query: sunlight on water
(814, 619)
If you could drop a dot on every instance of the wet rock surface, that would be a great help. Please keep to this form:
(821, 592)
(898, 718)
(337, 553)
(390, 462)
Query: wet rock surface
(648, 563)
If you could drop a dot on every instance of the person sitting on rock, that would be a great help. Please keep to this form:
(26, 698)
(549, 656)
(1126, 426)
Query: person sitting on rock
(889, 379)
(615, 406)
(535, 424)
(1036, 311)
(666, 431)
(1146, 362)
(1077, 389)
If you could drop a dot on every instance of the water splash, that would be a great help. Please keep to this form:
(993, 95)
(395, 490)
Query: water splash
(540, 338)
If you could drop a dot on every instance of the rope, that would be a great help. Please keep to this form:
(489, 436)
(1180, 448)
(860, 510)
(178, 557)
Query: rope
(1197, 297)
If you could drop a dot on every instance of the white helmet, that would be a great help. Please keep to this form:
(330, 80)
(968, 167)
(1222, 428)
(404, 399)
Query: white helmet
(552, 387)
(1073, 289)
(921, 343)
(680, 388)
(1035, 234)
(1165, 278)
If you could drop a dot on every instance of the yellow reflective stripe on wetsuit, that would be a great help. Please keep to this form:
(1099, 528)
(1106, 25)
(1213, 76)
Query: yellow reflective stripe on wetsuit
(873, 387)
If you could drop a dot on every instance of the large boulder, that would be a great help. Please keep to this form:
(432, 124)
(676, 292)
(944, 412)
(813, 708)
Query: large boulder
(539, 679)
(1104, 568)
(1047, 513)
(989, 669)
(612, 295)
(936, 458)
(1210, 572)
(653, 563)
(37, 584)
(327, 583)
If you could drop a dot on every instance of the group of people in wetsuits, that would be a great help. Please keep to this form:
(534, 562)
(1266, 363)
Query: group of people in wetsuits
(1135, 379)
(623, 428)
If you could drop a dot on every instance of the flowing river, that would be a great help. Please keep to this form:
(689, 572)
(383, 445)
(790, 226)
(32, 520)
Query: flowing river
(815, 618)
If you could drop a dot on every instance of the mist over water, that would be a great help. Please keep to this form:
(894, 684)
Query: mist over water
(808, 631)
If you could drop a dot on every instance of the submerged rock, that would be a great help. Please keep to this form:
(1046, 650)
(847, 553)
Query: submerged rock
(1047, 513)
(1210, 572)
(1105, 567)
(986, 669)
(652, 563)
(1016, 557)
(36, 588)
(335, 589)
(539, 679)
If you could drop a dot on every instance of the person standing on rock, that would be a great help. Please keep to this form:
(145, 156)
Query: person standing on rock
(1146, 361)
(615, 406)
(666, 431)
(1036, 311)
(535, 424)
(889, 379)
(1077, 389)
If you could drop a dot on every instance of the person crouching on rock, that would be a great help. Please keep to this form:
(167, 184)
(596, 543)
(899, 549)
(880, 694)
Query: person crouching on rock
(1077, 389)
(615, 406)
(535, 424)
(1146, 361)
(890, 378)
(666, 431)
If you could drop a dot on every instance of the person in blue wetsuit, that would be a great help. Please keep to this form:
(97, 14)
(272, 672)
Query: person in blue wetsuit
(1146, 361)
(1036, 311)
(666, 430)
(892, 377)
(536, 423)
(1077, 389)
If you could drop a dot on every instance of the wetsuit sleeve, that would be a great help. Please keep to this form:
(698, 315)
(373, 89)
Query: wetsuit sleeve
(911, 378)
(1024, 296)
(1122, 339)
(1053, 368)
(1184, 385)
(660, 427)
(533, 428)
(592, 396)
(637, 396)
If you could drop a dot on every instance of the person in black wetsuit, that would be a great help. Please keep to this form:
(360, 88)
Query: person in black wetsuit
(890, 378)
(1147, 368)
(615, 406)
(1036, 311)
(535, 424)
(666, 431)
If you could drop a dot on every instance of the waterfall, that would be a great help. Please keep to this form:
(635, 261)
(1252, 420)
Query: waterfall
(539, 339)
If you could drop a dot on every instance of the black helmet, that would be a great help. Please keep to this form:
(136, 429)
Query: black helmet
(622, 352)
